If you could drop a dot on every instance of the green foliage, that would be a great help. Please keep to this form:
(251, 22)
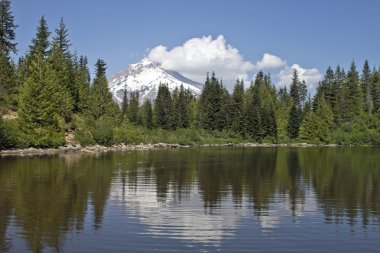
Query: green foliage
(102, 101)
(296, 114)
(102, 131)
(2, 133)
(211, 114)
(236, 108)
(40, 42)
(83, 134)
(82, 83)
(8, 89)
(164, 108)
(9, 133)
(181, 109)
(147, 114)
(41, 137)
(127, 134)
(133, 108)
(7, 28)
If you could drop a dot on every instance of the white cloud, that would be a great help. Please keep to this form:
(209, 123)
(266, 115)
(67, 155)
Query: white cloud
(310, 76)
(270, 61)
(197, 56)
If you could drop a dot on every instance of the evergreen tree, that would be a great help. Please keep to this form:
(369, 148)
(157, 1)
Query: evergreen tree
(366, 88)
(181, 109)
(41, 101)
(211, 115)
(147, 113)
(353, 99)
(103, 103)
(253, 108)
(236, 110)
(64, 68)
(133, 108)
(124, 104)
(8, 89)
(40, 44)
(375, 83)
(317, 125)
(82, 83)
(295, 114)
(7, 28)
(164, 108)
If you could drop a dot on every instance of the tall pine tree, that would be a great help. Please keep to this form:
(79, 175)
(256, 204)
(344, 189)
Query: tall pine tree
(164, 108)
(103, 104)
(295, 114)
(8, 89)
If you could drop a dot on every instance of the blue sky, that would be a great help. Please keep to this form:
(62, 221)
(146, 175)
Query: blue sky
(311, 34)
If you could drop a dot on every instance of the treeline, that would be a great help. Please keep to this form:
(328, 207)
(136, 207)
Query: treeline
(51, 89)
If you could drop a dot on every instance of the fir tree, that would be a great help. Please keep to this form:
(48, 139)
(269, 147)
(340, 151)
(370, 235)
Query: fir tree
(133, 108)
(147, 113)
(7, 29)
(8, 89)
(124, 104)
(164, 108)
(40, 44)
(211, 115)
(354, 98)
(366, 88)
(181, 109)
(295, 114)
(236, 110)
(41, 102)
(103, 103)
(82, 83)
(253, 109)
(317, 125)
(375, 83)
(64, 68)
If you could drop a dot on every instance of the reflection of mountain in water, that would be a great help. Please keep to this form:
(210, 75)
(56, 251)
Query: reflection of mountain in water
(188, 219)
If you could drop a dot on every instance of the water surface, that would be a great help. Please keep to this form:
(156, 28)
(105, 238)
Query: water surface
(193, 200)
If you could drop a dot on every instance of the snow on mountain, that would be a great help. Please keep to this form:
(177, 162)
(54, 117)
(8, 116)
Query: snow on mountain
(145, 77)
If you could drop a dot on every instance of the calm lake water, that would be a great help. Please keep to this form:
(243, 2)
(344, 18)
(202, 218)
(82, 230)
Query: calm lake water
(193, 200)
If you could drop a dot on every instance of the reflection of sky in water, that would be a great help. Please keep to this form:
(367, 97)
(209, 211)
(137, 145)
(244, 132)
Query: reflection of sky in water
(187, 218)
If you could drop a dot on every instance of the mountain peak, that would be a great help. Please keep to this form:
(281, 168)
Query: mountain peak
(145, 63)
(144, 77)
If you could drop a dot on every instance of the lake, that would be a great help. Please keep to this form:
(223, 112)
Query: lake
(193, 200)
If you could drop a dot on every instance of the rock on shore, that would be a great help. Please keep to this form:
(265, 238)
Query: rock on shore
(70, 148)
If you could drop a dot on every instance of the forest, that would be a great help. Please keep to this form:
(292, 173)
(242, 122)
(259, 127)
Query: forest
(49, 92)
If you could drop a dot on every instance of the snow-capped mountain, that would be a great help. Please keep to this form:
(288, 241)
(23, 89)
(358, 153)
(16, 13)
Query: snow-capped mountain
(145, 77)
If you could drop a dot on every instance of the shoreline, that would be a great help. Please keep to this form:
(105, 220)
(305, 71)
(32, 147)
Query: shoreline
(76, 149)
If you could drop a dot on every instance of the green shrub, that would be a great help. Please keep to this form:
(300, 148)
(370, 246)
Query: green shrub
(127, 134)
(102, 131)
(41, 138)
(10, 131)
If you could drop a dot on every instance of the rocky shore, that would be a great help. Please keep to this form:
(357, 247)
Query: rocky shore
(67, 149)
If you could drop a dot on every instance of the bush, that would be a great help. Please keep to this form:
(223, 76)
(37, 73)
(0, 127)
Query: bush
(102, 131)
(127, 134)
(10, 134)
(41, 138)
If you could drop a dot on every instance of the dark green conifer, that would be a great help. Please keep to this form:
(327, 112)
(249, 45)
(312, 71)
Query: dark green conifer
(8, 88)
(103, 104)
(147, 114)
(164, 108)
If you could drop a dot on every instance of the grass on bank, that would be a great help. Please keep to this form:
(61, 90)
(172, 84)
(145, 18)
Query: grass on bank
(107, 132)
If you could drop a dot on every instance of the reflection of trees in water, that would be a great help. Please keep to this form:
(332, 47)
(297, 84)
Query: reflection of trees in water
(50, 199)
(49, 196)
(346, 182)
